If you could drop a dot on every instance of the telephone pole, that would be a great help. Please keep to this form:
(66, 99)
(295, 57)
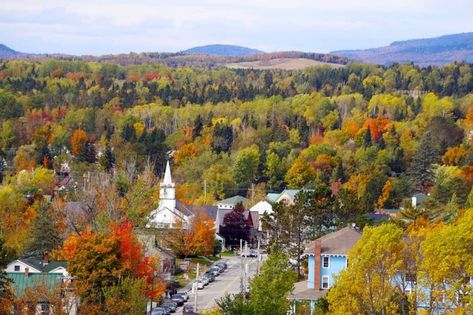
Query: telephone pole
(196, 288)
(241, 268)
(258, 258)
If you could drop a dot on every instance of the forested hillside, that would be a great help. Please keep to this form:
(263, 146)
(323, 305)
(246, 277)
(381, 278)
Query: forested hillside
(100, 134)
(380, 134)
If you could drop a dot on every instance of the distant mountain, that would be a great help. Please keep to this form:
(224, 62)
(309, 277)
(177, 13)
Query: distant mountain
(430, 51)
(223, 50)
(7, 53)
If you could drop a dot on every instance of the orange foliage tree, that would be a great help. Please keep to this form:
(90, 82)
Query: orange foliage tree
(79, 140)
(102, 260)
(197, 239)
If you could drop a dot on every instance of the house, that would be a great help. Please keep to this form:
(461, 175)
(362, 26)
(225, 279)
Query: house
(35, 264)
(171, 213)
(418, 199)
(31, 271)
(327, 256)
(261, 208)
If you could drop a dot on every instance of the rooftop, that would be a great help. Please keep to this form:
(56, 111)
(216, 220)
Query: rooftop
(233, 200)
(339, 242)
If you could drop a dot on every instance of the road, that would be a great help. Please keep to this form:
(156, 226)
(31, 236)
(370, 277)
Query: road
(227, 282)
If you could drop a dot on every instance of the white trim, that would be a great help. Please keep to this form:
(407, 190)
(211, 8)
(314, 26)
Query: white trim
(323, 261)
(328, 282)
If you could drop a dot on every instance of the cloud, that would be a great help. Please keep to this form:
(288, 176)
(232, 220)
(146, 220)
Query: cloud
(112, 26)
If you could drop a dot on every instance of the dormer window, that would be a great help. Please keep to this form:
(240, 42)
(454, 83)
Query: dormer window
(17, 268)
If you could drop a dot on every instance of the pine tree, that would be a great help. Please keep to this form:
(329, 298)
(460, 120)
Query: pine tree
(198, 125)
(6, 294)
(421, 166)
(338, 173)
(367, 140)
(45, 234)
(107, 160)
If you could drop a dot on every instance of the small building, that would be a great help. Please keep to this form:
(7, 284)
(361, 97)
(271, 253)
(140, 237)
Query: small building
(37, 263)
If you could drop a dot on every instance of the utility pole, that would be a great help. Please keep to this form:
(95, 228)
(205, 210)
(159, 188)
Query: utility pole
(258, 258)
(247, 274)
(196, 288)
(241, 268)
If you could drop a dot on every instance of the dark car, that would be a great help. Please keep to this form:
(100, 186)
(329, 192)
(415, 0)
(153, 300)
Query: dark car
(170, 304)
(223, 265)
(213, 271)
(183, 294)
(178, 299)
(210, 276)
(160, 311)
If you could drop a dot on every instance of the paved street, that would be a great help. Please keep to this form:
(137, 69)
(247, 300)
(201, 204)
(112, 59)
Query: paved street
(227, 282)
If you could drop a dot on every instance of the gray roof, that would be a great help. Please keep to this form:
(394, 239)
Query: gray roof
(338, 243)
(233, 200)
(211, 211)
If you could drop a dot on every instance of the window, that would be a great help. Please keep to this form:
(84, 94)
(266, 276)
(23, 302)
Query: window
(325, 261)
(325, 282)
(17, 267)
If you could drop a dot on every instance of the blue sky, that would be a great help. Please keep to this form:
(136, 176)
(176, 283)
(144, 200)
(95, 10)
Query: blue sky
(119, 26)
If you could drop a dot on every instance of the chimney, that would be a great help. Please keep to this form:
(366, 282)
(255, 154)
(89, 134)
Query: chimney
(317, 258)
(27, 272)
(45, 258)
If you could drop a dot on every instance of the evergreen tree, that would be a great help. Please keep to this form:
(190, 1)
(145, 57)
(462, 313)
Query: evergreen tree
(107, 160)
(338, 173)
(367, 140)
(88, 153)
(45, 234)
(222, 138)
(198, 125)
(6, 294)
(421, 166)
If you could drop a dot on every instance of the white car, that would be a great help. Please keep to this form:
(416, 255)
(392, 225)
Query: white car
(199, 284)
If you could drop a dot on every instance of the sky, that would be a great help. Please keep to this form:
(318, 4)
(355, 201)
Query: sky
(120, 26)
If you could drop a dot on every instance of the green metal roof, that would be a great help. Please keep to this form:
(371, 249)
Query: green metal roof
(20, 282)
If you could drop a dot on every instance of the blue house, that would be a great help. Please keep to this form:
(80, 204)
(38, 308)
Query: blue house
(327, 255)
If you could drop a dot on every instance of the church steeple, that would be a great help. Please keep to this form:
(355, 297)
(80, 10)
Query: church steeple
(167, 189)
(167, 175)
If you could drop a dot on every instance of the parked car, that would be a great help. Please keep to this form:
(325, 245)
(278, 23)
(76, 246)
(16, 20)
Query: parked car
(253, 253)
(210, 276)
(160, 311)
(178, 299)
(213, 271)
(188, 310)
(169, 304)
(222, 264)
(199, 283)
(183, 294)
(219, 268)
(205, 280)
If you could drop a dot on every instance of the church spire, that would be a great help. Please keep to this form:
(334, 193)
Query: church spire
(167, 175)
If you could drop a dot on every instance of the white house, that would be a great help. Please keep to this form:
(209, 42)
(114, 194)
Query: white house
(35, 264)
(261, 208)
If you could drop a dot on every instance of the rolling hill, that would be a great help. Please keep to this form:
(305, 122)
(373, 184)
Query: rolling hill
(424, 52)
(223, 50)
(7, 53)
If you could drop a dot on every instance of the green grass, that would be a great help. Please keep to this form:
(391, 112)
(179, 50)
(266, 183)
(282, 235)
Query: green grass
(227, 254)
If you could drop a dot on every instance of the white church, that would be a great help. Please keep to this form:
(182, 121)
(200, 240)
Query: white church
(171, 213)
